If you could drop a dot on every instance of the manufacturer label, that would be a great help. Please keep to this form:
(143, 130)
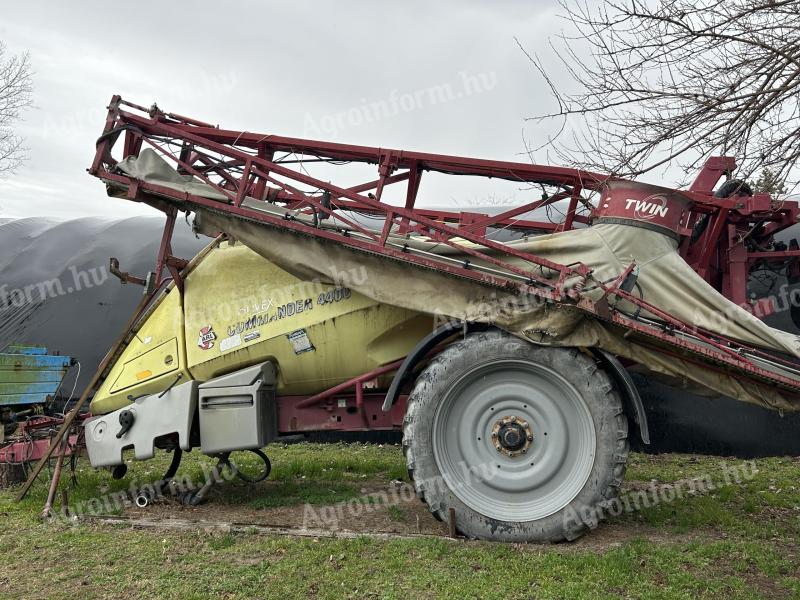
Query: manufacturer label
(649, 208)
(207, 337)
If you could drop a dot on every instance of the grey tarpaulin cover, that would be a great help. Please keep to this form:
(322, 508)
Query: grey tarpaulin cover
(666, 281)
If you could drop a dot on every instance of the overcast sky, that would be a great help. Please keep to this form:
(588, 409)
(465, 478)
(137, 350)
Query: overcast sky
(290, 68)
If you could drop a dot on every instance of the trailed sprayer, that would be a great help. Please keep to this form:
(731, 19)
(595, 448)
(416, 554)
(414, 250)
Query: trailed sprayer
(327, 299)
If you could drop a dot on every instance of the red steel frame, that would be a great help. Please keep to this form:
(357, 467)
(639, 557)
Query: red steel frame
(722, 254)
(718, 255)
(34, 437)
(241, 164)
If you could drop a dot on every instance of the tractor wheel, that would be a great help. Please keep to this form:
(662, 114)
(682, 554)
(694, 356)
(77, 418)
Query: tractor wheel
(525, 443)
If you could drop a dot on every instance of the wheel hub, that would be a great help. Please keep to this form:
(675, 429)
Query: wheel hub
(512, 436)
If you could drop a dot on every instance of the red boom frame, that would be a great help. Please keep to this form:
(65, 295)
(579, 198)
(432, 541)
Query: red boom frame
(737, 235)
(240, 164)
(719, 254)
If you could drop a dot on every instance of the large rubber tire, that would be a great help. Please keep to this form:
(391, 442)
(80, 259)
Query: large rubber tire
(569, 475)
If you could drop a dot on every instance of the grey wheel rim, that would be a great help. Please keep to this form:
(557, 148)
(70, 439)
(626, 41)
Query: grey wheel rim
(508, 481)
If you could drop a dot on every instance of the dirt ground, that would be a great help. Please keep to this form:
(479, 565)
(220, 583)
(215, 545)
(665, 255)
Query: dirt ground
(407, 517)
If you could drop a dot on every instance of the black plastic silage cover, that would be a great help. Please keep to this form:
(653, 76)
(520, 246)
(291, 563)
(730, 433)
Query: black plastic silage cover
(56, 288)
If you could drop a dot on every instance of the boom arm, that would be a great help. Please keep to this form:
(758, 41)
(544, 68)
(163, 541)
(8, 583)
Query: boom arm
(244, 178)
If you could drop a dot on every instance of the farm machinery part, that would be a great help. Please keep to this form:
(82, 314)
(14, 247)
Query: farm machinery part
(517, 417)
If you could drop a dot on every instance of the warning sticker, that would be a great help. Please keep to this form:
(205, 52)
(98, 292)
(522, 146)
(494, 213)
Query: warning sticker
(230, 342)
(300, 342)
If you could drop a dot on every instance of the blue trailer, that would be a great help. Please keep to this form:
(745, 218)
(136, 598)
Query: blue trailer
(30, 378)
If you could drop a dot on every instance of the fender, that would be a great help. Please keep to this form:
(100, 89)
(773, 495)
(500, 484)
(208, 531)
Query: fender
(631, 399)
(420, 351)
(630, 395)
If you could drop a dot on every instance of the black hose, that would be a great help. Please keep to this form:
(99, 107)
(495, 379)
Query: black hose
(263, 475)
(727, 189)
(114, 133)
(177, 454)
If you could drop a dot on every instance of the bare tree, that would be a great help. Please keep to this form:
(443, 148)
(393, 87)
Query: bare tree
(660, 82)
(15, 96)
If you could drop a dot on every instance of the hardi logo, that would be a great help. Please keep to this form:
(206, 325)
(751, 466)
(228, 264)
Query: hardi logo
(207, 337)
(649, 208)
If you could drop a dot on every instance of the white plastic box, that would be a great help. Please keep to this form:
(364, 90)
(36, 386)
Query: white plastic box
(238, 411)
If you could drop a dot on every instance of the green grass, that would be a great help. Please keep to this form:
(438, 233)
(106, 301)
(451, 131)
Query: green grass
(738, 541)
(290, 493)
(395, 513)
(762, 504)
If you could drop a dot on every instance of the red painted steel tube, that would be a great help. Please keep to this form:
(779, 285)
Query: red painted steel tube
(242, 172)
(355, 381)
(51, 494)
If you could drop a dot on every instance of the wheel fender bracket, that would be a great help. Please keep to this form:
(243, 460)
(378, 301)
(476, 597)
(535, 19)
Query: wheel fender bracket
(420, 351)
(630, 397)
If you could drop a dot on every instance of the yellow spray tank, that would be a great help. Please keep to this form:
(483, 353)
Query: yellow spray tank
(237, 310)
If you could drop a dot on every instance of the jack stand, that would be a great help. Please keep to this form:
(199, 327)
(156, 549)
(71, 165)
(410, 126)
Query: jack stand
(212, 478)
